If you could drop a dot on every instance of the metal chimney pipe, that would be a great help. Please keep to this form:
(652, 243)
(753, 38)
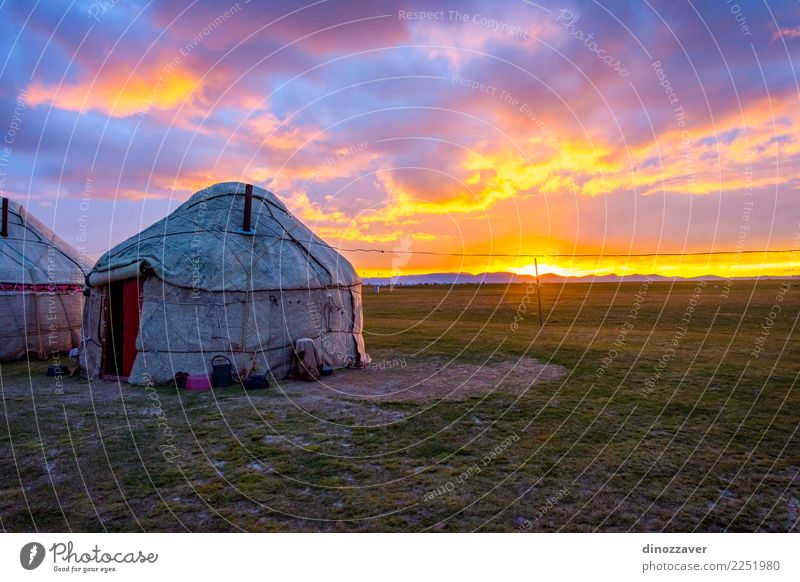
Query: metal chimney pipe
(4, 228)
(248, 207)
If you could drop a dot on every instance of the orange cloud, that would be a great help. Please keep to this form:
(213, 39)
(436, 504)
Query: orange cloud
(738, 153)
(371, 226)
(786, 33)
(700, 159)
(119, 96)
(267, 128)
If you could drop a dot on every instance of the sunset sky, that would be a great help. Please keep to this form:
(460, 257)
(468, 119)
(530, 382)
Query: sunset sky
(500, 128)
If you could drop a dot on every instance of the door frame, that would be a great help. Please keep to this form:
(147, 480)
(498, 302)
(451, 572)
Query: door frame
(110, 359)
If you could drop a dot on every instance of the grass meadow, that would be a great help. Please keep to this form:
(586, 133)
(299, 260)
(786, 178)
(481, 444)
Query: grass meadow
(637, 407)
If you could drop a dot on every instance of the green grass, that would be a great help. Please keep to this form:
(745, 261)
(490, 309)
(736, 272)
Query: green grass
(712, 447)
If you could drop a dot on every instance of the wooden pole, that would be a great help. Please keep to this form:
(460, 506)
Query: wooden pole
(4, 227)
(248, 207)
(538, 291)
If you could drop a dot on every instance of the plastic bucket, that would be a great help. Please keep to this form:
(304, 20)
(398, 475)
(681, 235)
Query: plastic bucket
(221, 373)
(198, 383)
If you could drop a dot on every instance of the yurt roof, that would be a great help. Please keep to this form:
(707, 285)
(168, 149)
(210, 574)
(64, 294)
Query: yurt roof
(201, 246)
(32, 254)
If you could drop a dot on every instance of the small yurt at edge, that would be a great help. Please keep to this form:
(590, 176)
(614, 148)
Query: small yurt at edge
(41, 284)
(230, 272)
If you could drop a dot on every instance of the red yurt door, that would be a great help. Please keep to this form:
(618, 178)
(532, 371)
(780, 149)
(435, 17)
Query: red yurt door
(125, 305)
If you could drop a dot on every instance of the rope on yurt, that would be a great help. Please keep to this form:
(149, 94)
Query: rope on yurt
(20, 327)
(246, 316)
(40, 347)
(47, 242)
(65, 311)
(41, 353)
(306, 249)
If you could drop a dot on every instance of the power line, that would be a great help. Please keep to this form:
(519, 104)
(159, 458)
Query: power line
(540, 255)
(533, 255)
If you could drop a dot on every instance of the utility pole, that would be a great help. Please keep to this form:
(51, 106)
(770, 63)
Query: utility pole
(538, 291)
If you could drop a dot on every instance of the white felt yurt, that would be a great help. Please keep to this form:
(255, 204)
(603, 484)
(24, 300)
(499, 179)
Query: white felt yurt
(230, 272)
(41, 283)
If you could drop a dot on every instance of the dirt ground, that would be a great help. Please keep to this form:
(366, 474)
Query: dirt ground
(429, 381)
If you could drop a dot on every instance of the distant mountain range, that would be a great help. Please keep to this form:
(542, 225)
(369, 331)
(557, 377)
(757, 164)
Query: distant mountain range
(506, 278)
